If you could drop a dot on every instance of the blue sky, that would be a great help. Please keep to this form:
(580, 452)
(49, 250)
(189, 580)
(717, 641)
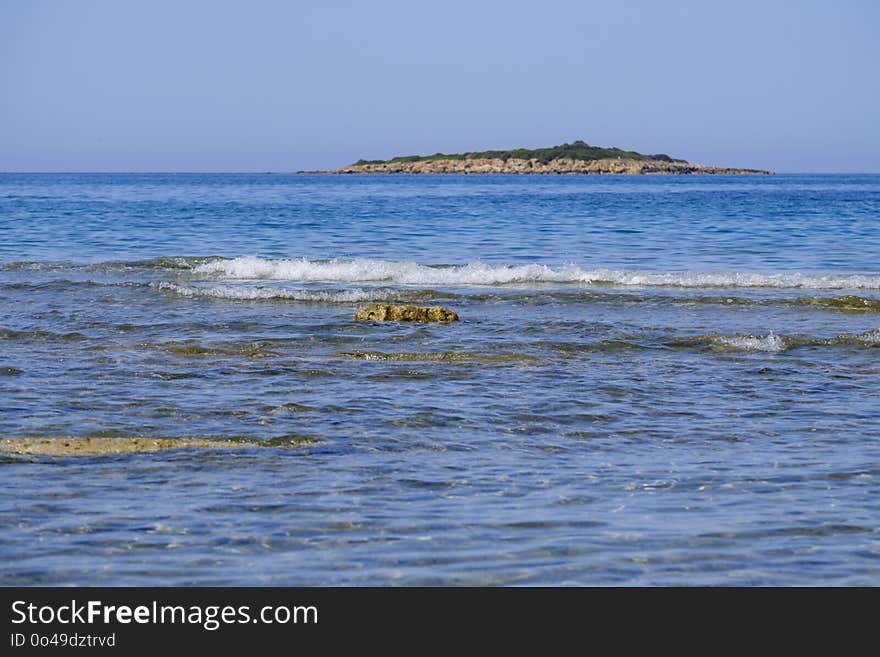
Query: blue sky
(267, 85)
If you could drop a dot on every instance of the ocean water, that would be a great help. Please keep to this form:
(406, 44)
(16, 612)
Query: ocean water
(655, 380)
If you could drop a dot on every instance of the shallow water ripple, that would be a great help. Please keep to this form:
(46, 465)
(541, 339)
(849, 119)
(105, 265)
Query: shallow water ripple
(653, 381)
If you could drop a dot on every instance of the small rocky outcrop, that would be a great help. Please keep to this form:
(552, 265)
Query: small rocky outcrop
(384, 312)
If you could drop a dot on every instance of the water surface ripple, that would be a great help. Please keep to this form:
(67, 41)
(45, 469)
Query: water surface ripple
(654, 380)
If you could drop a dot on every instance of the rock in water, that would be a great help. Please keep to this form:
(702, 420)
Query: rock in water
(383, 312)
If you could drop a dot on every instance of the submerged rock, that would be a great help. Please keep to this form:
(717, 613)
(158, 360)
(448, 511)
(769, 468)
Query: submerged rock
(66, 446)
(847, 303)
(383, 312)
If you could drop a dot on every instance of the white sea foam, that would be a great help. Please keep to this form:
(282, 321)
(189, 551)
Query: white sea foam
(256, 293)
(870, 337)
(478, 273)
(769, 342)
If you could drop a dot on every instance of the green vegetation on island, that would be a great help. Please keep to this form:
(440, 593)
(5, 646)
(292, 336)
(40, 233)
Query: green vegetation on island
(578, 151)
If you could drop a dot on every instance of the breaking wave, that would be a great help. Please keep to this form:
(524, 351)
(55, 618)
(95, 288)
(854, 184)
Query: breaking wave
(478, 273)
(259, 293)
(771, 342)
(363, 270)
(774, 343)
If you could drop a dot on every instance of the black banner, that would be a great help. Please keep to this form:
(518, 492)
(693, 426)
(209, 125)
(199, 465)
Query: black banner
(126, 619)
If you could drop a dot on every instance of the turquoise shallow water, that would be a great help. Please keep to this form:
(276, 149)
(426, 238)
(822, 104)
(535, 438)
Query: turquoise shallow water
(656, 380)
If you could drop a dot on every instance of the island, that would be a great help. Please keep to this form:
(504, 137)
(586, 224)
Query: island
(575, 158)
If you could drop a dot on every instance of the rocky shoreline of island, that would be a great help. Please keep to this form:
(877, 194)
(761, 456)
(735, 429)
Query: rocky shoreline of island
(535, 166)
(577, 157)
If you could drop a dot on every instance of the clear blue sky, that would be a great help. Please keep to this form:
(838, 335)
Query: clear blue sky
(272, 85)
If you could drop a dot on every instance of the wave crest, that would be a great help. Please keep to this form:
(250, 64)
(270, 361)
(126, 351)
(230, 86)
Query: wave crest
(478, 273)
(770, 343)
(260, 293)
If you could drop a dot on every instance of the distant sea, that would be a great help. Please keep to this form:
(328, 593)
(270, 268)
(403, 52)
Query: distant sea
(655, 380)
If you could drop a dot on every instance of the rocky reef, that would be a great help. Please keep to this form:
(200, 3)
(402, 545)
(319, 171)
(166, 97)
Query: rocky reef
(536, 166)
(103, 446)
(383, 312)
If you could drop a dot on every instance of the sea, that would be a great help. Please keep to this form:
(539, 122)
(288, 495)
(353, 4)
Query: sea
(655, 380)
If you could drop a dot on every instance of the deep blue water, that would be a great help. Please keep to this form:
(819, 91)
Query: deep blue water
(655, 380)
